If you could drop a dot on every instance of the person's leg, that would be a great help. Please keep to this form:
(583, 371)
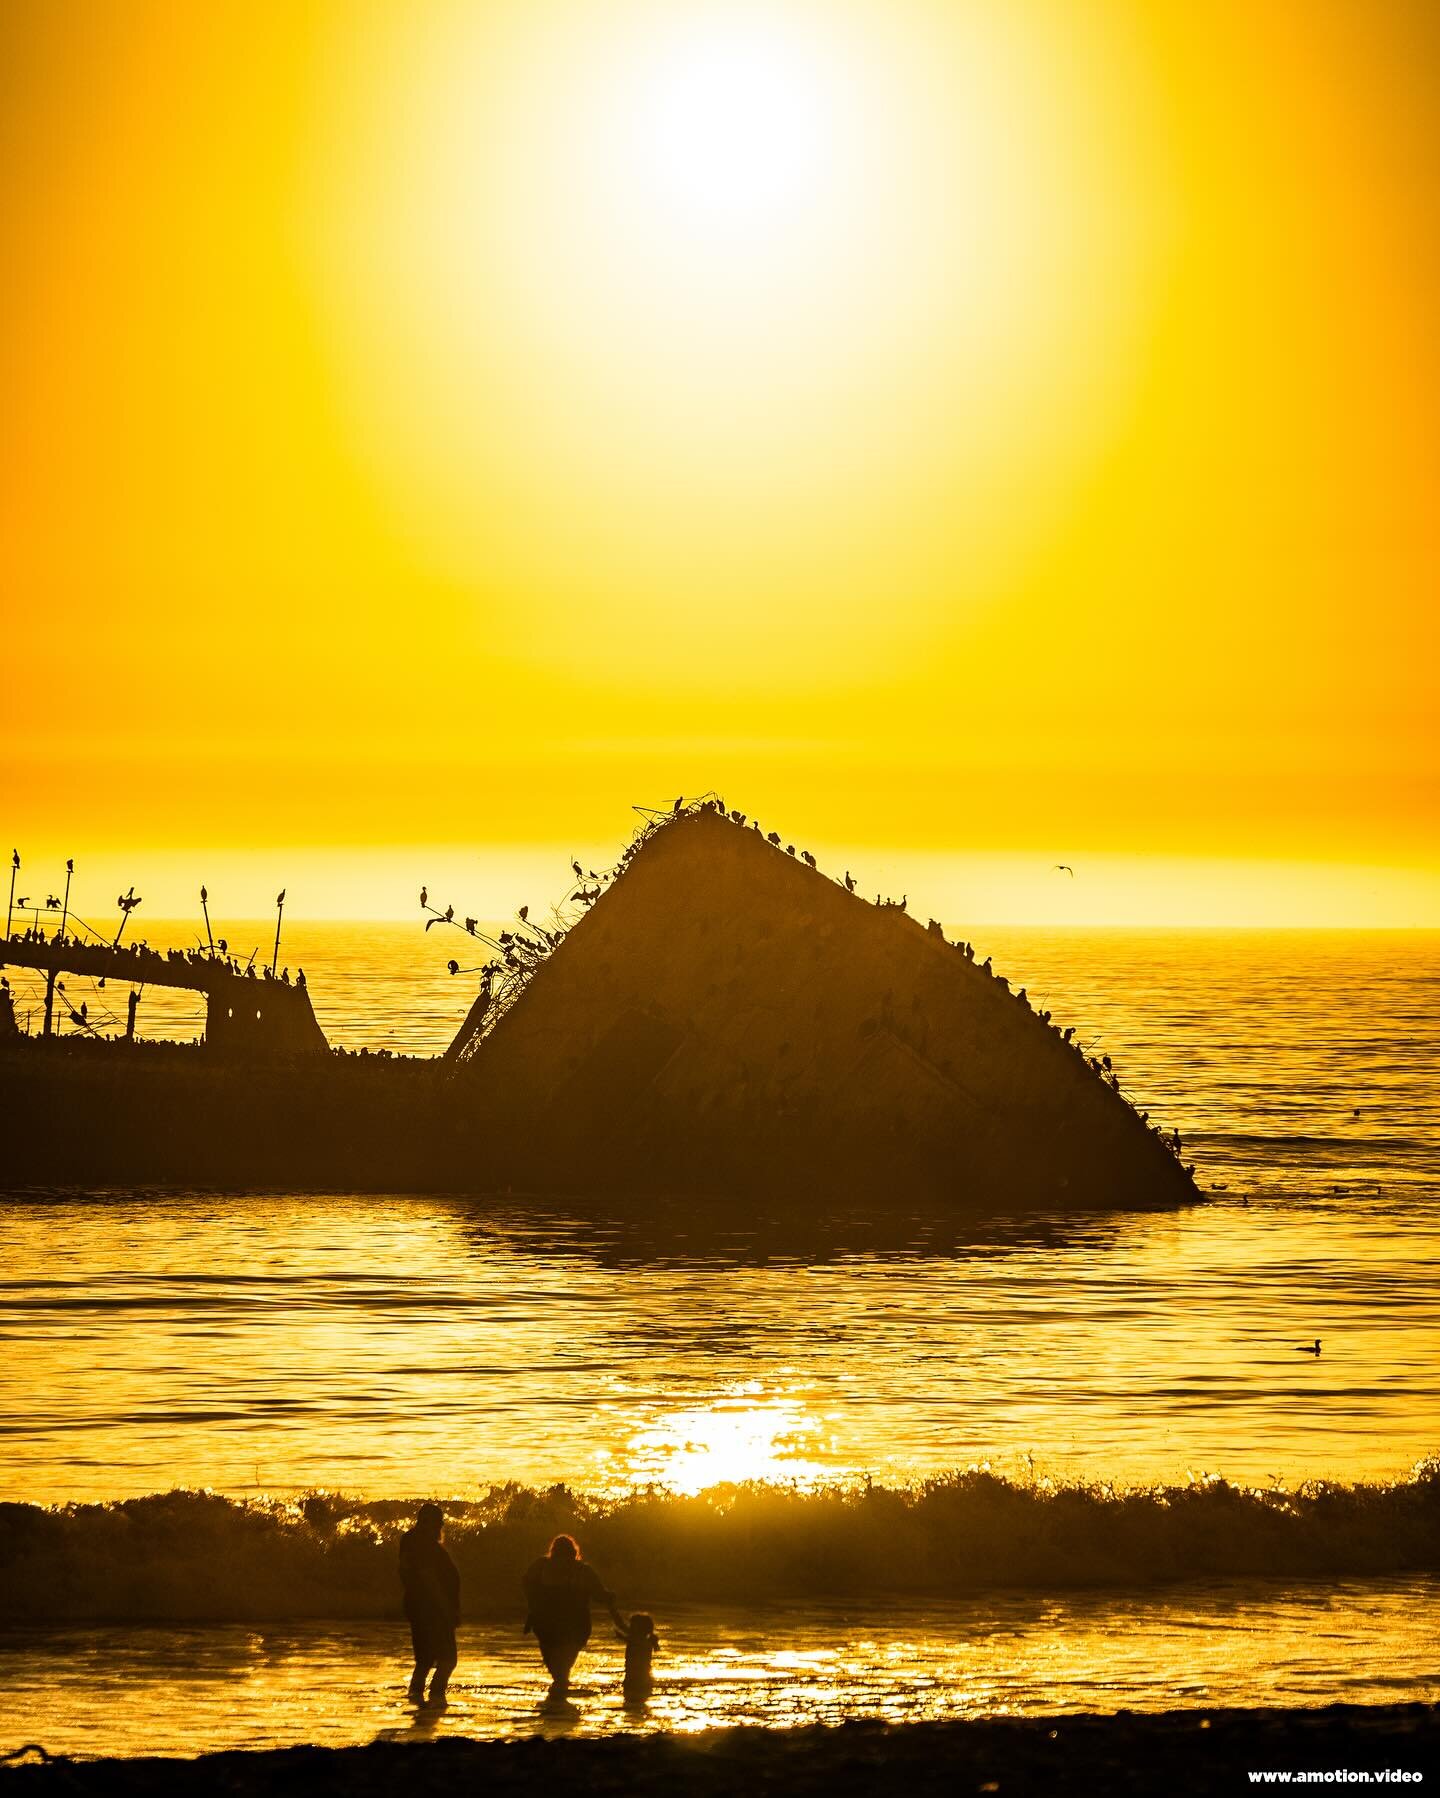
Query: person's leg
(549, 1654)
(418, 1646)
(567, 1655)
(445, 1658)
(558, 1654)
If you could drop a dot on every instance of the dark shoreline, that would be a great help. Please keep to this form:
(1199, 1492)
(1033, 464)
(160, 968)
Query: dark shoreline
(1186, 1752)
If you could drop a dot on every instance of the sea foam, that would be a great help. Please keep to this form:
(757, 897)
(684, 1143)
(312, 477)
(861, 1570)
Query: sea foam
(197, 1555)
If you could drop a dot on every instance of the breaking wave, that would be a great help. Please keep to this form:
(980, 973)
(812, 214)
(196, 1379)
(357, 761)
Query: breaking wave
(198, 1556)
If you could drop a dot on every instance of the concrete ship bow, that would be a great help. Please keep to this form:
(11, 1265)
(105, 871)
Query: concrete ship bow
(727, 1019)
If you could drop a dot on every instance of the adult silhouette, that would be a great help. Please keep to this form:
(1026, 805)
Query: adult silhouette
(432, 1603)
(559, 1586)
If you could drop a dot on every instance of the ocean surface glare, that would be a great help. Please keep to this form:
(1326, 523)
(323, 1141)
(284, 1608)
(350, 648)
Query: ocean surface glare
(398, 1345)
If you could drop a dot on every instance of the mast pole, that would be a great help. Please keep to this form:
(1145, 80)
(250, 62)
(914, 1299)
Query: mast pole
(279, 914)
(205, 907)
(14, 870)
(69, 875)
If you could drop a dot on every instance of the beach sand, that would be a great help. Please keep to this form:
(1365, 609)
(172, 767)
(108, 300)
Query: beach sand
(1174, 1752)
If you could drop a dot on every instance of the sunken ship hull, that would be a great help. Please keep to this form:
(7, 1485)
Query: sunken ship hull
(722, 1021)
(726, 1019)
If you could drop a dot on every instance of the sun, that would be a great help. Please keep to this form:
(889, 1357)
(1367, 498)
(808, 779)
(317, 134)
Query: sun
(727, 137)
(673, 326)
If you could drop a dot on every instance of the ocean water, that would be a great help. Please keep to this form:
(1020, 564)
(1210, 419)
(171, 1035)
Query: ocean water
(176, 1690)
(391, 1346)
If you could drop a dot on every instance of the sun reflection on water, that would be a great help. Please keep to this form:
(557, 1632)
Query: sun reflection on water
(745, 1431)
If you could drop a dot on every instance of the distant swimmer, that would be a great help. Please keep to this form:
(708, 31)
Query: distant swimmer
(1064, 868)
(1311, 1348)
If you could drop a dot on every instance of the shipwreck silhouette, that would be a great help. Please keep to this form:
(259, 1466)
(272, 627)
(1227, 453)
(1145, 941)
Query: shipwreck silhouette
(714, 1016)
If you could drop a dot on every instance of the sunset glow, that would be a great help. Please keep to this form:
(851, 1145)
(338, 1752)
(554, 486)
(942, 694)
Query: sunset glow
(975, 437)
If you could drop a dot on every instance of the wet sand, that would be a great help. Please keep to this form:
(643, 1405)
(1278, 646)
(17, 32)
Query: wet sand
(1183, 1752)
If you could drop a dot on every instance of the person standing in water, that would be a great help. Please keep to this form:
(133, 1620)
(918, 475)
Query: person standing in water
(558, 1589)
(432, 1603)
(641, 1647)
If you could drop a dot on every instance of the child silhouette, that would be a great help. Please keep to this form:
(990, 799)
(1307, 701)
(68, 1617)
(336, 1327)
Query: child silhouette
(641, 1642)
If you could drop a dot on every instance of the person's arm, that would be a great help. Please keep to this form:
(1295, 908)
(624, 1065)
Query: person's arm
(598, 1589)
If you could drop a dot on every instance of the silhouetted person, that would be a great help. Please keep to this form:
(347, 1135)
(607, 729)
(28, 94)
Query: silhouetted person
(641, 1644)
(432, 1603)
(558, 1589)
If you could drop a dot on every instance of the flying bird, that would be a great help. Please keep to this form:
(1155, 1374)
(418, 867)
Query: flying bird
(1064, 868)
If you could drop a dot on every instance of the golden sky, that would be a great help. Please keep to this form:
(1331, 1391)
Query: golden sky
(971, 436)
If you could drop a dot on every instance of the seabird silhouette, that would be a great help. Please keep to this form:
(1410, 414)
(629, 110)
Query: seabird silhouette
(1303, 1348)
